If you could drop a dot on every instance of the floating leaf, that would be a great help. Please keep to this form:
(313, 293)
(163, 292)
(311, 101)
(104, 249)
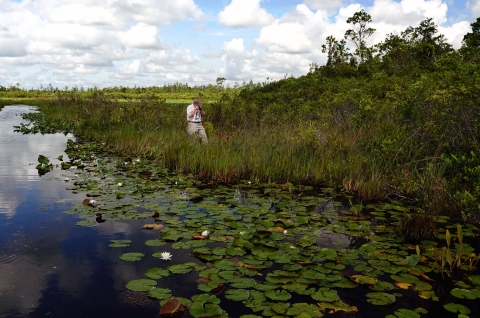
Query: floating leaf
(85, 223)
(462, 293)
(325, 294)
(380, 298)
(237, 294)
(404, 313)
(457, 308)
(141, 284)
(155, 242)
(364, 280)
(179, 269)
(170, 307)
(277, 294)
(131, 257)
(160, 293)
(157, 273)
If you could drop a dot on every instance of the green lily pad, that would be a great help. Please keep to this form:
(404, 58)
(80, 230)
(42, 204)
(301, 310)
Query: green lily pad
(244, 283)
(141, 284)
(382, 286)
(160, 293)
(279, 308)
(85, 223)
(179, 269)
(237, 294)
(206, 310)
(380, 298)
(404, 278)
(276, 294)
(328, 253)
(120, 243)
(452, 307)
(131, 257)
(404, 313)
(325, 294)
(155, 243)
(462, 293)
(157, 273)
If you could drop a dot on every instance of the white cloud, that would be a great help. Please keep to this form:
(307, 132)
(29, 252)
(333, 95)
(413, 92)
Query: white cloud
(235, 45)
(330, 5)
(455, 33)
(142, 36)
(244, 13)
(285, 37)
(392, 12)
(12, 47)
(474, 7)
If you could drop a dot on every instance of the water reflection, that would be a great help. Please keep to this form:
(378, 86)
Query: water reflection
(49, 267)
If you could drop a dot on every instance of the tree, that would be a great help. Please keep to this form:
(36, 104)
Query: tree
(359, 33)
(471, 43)
(336, 51)
(427, 44)
(220, 81)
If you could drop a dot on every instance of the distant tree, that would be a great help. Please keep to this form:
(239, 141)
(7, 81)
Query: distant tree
(471, 43)
(427, 44)
(220, 80)
(336, 51)
(359, 33)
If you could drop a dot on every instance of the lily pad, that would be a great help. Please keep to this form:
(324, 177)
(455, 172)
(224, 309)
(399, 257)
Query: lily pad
(404, 313)
(380, 298)
(237, 294)
(157, 273)
(276, 294)
(452, 307)
(155, 242)
(141, 284)
(462, 293)
(131, 257)
(364, 280)
(326, 294)
(179, 269)
(160, 293)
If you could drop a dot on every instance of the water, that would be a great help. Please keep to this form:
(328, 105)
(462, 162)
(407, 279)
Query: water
(49, 267)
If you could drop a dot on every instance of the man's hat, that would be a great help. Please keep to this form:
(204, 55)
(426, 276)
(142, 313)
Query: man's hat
(197, 101)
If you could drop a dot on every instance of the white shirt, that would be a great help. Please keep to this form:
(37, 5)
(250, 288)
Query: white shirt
(197, 117)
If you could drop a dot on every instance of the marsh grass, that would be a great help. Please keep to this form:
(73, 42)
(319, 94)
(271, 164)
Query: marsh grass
(299, 152)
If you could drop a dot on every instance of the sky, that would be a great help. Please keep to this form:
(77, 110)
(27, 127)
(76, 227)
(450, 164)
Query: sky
(87, 43)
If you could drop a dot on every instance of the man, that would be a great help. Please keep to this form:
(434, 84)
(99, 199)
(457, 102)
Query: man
(194, 118)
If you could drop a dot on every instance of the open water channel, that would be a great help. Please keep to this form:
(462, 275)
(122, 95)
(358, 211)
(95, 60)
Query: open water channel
(51, 267)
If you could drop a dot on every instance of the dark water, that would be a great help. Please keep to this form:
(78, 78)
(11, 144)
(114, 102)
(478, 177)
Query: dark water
(49, 267)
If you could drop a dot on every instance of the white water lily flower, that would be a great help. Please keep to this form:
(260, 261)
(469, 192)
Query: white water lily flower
(285, 232)
(66, 179)
(120, 184)
(205, 233)
(249, 182)
(125, 163)
(166, 256)
(93, 202)
(241, 233)
(138, 160)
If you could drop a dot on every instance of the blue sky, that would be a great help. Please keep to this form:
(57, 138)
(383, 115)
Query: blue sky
(154, 42)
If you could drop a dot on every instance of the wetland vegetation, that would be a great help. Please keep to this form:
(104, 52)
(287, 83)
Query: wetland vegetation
(391, 132)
